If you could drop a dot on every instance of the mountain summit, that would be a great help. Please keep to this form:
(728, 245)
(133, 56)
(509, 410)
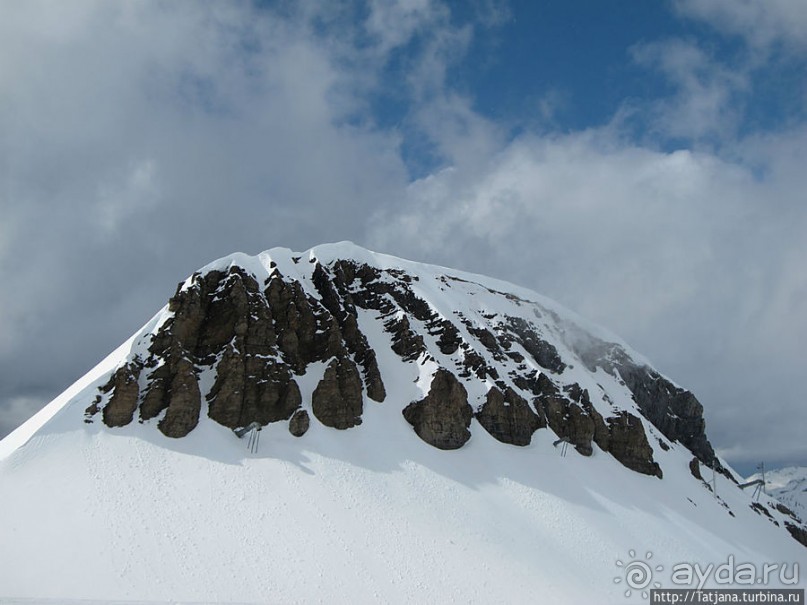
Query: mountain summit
(345, 425)
(241, 336)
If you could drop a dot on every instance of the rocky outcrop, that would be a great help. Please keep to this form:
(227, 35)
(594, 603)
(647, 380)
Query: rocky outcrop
(544, 353)
(255, 341)
(442, 417)
(571, 415)
(306, 332)
(182, 413)
(123, 398)
(798, 532)
(251, 388)
(674, 411)
(628, 444)
(337, 299)
(299, 423)
(337, 400)
(695, 468)
(486, 338)
(405, 342)
(508, 417)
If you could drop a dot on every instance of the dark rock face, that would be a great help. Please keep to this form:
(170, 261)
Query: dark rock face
(251, 388)
(571, 415)
(442, 417)
(255, 341)
(299, 423)
(695, 468)
(797, 529)
(628, 444)
(405, 342)
(337, 400)
(799, 533)
(508, 417)
(125, 392)
(486, 338)
(674, 411)
(182, 414)
(296, 325)
(785, 511)
(544, 353)
(337, 299)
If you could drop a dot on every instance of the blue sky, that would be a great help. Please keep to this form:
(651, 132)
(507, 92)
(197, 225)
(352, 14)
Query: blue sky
(561, 66)
(576, 51)
(640, 162)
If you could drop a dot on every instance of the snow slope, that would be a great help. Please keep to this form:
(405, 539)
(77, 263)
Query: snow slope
(366, 515)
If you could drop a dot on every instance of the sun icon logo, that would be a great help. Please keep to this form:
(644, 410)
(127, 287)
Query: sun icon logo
(638, 574)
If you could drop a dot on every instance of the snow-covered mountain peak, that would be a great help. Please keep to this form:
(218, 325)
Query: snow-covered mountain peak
(242, 334)
(368, 419)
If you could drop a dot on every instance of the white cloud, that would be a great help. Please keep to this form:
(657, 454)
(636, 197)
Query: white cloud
(705, 102)
(763, 23)
(393, 24)
(581, 209)
(460, 136)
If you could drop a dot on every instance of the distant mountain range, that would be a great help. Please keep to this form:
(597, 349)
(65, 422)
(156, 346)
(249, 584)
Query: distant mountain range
(788, 485)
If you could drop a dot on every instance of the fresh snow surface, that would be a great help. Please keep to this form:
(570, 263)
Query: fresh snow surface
(368, 515)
